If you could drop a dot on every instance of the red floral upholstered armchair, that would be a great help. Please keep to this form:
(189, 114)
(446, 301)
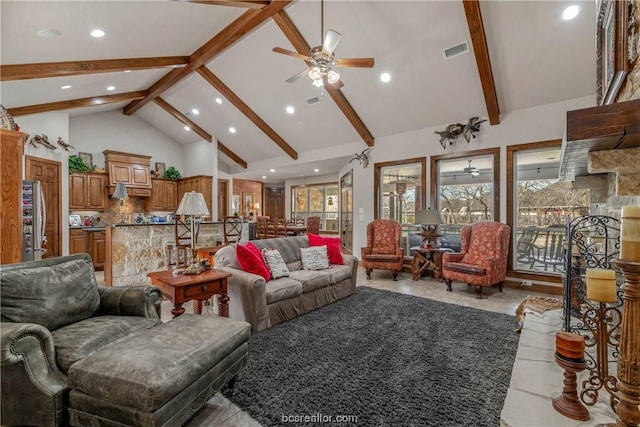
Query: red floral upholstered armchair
(383, 251)
(483, 257)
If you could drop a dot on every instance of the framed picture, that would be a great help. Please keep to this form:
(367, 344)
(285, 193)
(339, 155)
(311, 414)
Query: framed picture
(87, 158)
(235, 203)
(160, 167)
(248, 203)
(611, 54)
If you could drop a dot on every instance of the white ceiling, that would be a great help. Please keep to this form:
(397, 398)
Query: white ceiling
(536, 59)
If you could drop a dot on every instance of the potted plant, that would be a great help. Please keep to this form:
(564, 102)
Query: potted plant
(172, 173)
(76, 164)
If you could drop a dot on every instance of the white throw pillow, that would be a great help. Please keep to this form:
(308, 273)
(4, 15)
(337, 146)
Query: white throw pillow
(314, 258)
(275, 263)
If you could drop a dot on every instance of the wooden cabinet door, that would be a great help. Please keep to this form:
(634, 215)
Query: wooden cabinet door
(98, 250)
(11, 151)
(170, 195)
(119, 173)
(77, 191)
(96, 196)
(76, 241)
(140, 176)
(156, 201)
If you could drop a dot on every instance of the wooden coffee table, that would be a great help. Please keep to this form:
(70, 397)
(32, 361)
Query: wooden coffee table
(197, 287)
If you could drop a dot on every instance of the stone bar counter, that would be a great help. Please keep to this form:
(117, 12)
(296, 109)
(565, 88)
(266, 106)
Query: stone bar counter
(133, 250)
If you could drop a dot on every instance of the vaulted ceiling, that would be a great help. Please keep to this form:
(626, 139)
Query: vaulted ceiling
(183, 55)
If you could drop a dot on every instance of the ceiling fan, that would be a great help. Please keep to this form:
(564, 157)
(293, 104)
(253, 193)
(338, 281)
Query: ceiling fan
(321, 59)
(472, 170)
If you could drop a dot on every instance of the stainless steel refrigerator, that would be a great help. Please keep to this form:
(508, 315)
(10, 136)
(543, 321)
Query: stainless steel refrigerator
(34, 219)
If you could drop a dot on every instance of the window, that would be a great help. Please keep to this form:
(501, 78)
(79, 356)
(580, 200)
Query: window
(540, 205)
(399, 193)
(316, 200)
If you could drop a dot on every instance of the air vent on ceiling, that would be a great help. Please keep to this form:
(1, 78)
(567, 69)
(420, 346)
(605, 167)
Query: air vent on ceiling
(456, 50)
(313, 101)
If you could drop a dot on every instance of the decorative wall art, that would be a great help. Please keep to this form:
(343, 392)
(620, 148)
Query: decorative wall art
(454, 130)
(87, 158)
(612, 56)
(363, 157)
(160, 169)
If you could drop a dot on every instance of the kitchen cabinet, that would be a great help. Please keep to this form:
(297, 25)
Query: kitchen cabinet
(97, 249)
(76, 241)
(164, 195)
(132, 169)
(91, 242)
(200, 184)
(88, 191)
(11, 153)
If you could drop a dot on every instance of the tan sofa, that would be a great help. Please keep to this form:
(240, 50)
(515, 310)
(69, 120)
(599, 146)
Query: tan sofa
(265, 304)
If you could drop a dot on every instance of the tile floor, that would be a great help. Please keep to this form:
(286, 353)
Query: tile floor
(220, 412)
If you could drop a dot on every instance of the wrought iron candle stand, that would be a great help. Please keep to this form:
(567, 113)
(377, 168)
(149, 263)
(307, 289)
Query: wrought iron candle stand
(603, 322)
(593, 242)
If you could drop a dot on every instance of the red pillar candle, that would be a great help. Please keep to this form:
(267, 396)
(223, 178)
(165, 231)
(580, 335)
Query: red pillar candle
(570, 345)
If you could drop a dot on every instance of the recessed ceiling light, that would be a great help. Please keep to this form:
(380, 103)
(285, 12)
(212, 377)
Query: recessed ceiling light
(219, 101)
(385, 77)
(97, 33)
(110, 88)
(570, 12)
(316, 170)
(195, 111)
(232, 130)
(187, 128)
(65, 87)
(48, 33)
(272, 170)
(290, 109)
(264, 177)
(127, 71)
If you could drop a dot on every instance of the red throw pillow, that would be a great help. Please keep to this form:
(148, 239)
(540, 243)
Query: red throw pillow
(250, 260)
(333, 247)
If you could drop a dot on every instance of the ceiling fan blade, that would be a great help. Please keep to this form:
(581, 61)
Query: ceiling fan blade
(291, 53)
(331, 40)
(297, 76)
(355, 62)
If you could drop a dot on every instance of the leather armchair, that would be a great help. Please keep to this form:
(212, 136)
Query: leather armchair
(483, 258)
(53, 314)
(383, 251)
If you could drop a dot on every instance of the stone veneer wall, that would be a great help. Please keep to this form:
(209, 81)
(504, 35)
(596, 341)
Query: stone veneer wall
(631, 88)
(139, 249)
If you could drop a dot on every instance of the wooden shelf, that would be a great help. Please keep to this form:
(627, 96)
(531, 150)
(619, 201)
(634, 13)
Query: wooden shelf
(608, 127)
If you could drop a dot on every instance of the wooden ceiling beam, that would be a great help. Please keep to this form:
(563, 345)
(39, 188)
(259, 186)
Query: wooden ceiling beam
(233, 156)
(184, 119)
(248, 4)
(294, 36)
(481, 50)
(77, 103)
(240, 27)
(73, 68)
(214, 81)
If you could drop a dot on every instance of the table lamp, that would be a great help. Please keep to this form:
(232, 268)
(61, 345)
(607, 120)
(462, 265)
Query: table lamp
(429, 219)
(192, 204)
(120, 193)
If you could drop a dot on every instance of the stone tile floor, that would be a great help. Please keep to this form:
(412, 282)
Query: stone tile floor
(535, 376)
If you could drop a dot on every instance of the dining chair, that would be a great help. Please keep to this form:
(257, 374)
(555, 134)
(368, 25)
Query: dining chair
(232, 228)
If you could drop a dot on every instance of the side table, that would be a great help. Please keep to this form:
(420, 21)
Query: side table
(427, 260)
(197, 287)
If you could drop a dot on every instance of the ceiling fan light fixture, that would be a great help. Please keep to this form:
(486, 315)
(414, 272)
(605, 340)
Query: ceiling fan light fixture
(318, 83)
(332, 77)
(315, 74)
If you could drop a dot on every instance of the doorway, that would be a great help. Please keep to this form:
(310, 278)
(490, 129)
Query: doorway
(48, 173)
(223, 198)
(346, 212)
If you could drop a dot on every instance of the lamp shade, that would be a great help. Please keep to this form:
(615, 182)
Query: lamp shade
(120, 191)
(192, 203)
(429, 216)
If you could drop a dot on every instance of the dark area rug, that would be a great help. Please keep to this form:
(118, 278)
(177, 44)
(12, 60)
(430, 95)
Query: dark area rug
(389, 359)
